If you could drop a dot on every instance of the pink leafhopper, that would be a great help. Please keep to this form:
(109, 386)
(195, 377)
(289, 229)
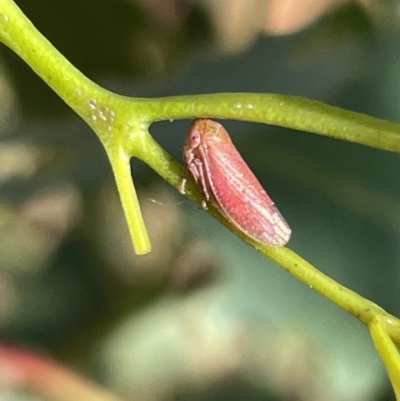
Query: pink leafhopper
(228, 184)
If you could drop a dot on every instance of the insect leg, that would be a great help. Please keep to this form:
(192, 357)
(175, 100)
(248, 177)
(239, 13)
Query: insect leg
(197, 170)
(189, 160)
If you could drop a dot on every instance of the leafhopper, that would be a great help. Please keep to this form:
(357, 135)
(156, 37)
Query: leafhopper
(227, 182)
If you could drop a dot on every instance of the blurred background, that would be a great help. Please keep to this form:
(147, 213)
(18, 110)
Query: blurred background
(204, 316)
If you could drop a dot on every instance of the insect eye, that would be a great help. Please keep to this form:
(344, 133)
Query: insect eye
(195, 138)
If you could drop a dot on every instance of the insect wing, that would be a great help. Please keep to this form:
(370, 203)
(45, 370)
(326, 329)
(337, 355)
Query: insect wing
(241, 197)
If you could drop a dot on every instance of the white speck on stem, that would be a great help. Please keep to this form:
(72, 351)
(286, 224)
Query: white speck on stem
(94, 118)
(249, 106)
(102, 116)
(6, 17)
(238, 105)
(92, 104)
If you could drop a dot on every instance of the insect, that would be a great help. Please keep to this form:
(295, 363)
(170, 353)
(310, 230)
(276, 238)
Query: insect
(228, 184)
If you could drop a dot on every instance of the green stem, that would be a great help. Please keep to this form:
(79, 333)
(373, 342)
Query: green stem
(281, 110)
(360, 307)
(120, 163)
(387, 350)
